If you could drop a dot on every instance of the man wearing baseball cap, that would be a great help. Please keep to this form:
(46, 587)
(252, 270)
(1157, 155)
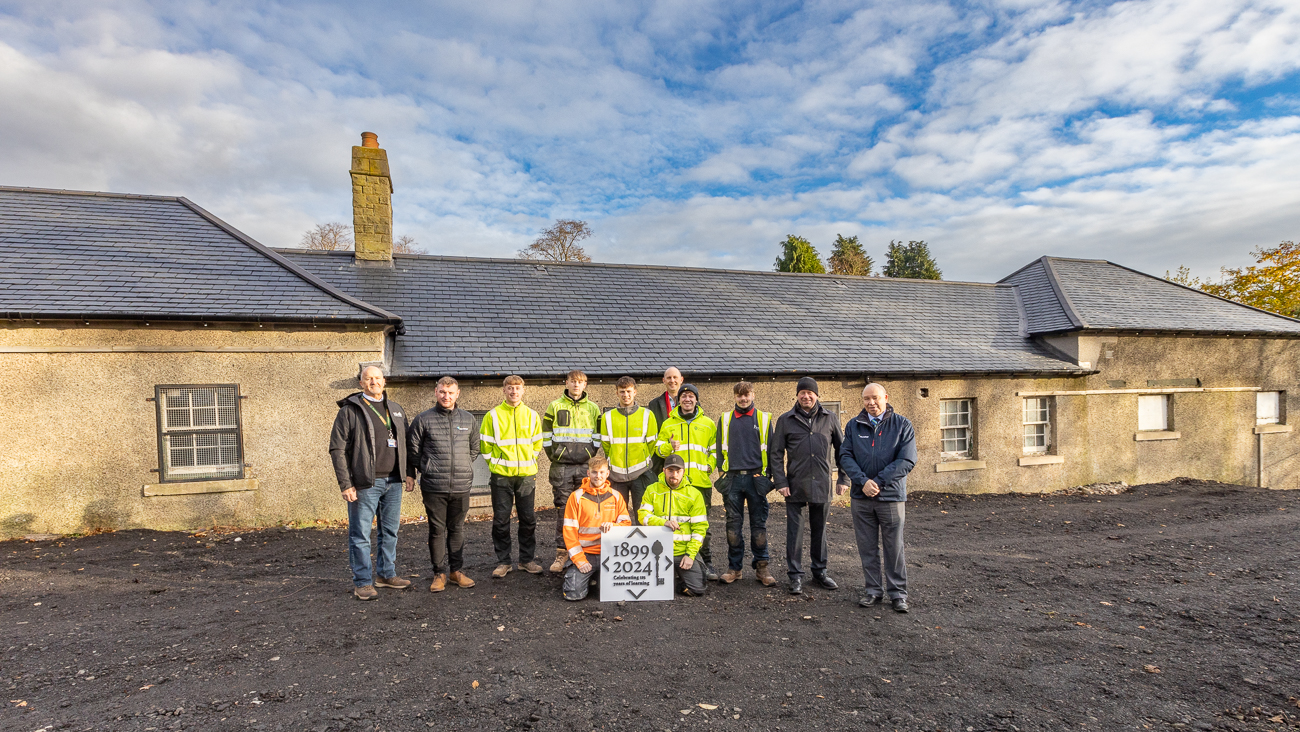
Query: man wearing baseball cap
(805, 444)
(674, 503)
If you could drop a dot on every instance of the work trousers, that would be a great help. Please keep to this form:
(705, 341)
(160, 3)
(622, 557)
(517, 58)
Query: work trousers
(878, 526)
(565, 479)
(578, 583)
(817, 548)
(632, 491)
(383, 500)
(706, 554)
(689, 579)
(739, 488)
(446, 514)
(517, 493)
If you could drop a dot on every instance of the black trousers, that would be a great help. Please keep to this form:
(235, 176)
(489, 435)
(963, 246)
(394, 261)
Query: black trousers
(633, 491)
(565, 479)
(878, 527)
(794, 537)
(446, 513)
(706, 554)
(689, 579)
(517, 493)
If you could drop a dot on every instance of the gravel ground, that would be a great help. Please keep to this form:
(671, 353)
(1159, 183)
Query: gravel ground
(1169, 606)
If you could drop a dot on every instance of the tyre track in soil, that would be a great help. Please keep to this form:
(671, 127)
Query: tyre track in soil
(1169, 607)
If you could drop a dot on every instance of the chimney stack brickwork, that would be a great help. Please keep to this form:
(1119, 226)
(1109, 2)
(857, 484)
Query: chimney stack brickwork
(372, 202)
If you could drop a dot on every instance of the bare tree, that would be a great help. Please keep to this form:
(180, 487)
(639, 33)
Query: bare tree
(406, 244)
(559, 243)
(331, 237)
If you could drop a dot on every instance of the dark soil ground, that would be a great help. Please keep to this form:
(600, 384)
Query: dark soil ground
(1172, 606)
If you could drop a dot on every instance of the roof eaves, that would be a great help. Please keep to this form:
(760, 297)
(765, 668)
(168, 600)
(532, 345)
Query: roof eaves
(1064, 299)
(383, 315)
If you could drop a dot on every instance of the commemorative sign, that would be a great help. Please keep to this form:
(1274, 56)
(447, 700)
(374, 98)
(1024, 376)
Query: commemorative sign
(636, 563)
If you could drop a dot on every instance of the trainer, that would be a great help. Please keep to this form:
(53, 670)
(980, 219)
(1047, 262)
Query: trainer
(879, 451)
(368, 449)
(443, 443)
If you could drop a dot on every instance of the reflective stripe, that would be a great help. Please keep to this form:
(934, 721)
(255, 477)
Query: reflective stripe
(698, 536)
(588, 542)
(701, 467)
(571, 522)
(488, 439)
(575, 551)
(515, 441)
(623, 517)
(631, 468)
(572, 430)
(584, 529)
(510, 463)
(627, 440)
(694, 519)
(684, 537)
(690, 446)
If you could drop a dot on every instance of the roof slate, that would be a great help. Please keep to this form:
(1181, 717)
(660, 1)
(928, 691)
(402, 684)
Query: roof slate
(1088, 294)
(106, 256)
(485, 317)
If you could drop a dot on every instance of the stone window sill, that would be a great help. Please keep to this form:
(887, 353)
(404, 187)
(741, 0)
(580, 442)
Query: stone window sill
(956, 465)
(1041, 460)
(1266, 429)
(1157, 435)
(197, 487)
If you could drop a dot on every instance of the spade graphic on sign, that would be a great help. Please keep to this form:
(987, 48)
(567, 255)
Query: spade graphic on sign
(657, 548)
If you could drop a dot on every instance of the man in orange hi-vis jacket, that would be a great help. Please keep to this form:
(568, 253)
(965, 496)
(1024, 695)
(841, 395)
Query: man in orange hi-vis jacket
(590, 511)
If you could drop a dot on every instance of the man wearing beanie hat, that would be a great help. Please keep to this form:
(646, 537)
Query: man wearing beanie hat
(690, 434)
(805, 442)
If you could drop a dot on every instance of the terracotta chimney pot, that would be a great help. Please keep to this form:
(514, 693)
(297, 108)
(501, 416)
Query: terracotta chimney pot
(370, 139)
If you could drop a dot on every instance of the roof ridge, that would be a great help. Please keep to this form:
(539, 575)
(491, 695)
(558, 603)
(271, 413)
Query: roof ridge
(623, 265)
(96, 194)
(1066, 304)
(299, 272)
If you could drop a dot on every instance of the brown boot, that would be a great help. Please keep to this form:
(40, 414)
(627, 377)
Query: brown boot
(502, 570)
(394, 583)
(731, 575)
(561, 556)
(439, 583)
(365, 593)
(532, 567)
(461, 580)
(764, 576)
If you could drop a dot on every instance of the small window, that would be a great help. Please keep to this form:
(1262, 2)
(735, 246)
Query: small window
(955, 425)
(199, 433)
(1153, 412)
(1268, 407)
(1037, 425)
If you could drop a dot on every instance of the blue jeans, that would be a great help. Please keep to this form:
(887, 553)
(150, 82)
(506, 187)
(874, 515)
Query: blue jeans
(742, 487)
(383, 499)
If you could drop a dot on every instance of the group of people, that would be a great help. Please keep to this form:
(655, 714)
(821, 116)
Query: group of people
(655, 465)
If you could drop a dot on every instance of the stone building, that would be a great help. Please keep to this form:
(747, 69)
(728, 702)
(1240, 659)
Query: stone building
(1066, 372)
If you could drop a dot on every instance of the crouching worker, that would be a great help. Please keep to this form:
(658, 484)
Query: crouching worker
(590, 511)
(674, 503)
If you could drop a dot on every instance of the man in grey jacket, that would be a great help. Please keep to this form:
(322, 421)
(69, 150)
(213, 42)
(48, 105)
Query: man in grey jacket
(443, 443)
(368, 449)
(805, 446)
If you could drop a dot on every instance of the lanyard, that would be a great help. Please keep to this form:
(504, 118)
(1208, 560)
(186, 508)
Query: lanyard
(382, 417)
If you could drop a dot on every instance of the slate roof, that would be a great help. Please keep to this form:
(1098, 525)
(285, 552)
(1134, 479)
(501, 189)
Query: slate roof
(1090, 294)
(101, 256)
(491, 317)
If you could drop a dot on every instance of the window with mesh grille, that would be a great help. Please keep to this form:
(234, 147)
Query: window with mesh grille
(199, 432)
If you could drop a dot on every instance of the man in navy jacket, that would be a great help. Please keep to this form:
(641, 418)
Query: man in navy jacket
(878, 452)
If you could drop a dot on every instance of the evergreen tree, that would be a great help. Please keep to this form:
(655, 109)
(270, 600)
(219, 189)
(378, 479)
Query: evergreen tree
(911, 260)
(849, 258)
(798, 255)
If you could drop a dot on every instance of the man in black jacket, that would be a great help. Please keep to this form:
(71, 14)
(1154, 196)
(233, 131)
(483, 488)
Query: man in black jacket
(368, 449)
(805, 442)
(662, 406)
(879, 451)
(443, 443)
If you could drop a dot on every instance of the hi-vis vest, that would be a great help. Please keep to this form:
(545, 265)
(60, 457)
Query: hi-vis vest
(698, 445)
(512, 437)
(628, 439)
(764, 422)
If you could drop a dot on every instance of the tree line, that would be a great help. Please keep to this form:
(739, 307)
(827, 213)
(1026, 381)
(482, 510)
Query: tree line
(911, 260)
(336, 236)
(1272, 283)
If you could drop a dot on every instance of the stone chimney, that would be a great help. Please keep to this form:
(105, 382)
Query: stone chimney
(372, 203)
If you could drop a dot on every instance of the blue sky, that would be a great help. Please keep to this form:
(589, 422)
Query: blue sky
(699, 133)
